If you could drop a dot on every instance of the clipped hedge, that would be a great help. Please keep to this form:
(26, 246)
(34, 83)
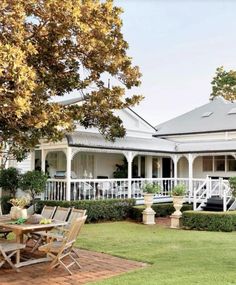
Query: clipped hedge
(210, 221)
(97, 210)
(162, 210)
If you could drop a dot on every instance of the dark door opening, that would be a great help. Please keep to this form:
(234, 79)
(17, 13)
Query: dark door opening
(166, 167)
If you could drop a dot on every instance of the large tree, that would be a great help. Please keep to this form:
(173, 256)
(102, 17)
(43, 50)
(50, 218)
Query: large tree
(52, 47)
(224, 84)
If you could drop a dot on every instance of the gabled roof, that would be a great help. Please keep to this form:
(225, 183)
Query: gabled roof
(80, 99)
(216, 116)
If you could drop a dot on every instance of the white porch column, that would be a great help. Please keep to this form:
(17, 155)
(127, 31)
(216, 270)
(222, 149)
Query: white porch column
(129, 159)
(32, 160)
(175, 159)
(148, 166)
(160, 172)
(190, 172)
(129, 156)
(43, 159)
(68, 172)
(139, 166)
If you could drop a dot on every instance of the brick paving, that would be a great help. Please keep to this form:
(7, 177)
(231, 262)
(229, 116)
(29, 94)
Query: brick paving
(95, 266)
(163, 221)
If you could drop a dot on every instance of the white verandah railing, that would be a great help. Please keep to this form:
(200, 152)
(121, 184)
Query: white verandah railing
(93, 189)
(198, 190)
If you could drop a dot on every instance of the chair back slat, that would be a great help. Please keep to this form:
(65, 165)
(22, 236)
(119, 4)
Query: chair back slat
(61, 214)
(74, 214)
(48, 212)
(75, 229)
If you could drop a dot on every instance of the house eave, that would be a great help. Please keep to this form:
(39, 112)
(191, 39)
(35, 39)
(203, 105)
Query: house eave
(194, 133)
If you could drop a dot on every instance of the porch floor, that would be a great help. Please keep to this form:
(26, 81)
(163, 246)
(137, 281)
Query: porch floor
(95, 266)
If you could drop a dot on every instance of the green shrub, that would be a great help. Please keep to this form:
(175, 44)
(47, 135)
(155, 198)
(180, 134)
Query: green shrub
(9, 180)
(33, 182)
(232, 184)
(6, 206)
(210, 221)
(97, 210)
(162, 210)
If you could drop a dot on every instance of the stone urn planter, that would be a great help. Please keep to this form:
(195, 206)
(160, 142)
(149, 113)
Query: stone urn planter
(148, 213)
(178, 199)
(150, 189)
(178, 203)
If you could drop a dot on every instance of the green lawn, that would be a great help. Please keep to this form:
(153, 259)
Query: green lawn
(176, 257)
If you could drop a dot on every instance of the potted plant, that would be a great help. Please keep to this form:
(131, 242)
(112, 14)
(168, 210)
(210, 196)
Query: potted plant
(34, 182)
(178, 193)
(18, 207)
(149, 190)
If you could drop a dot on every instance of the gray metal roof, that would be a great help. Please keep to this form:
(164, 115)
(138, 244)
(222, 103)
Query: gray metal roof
(92, 140)
(206, 146)
(155, 145)
(211, 117)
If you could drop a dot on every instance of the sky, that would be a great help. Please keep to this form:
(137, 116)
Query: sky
(178, 45)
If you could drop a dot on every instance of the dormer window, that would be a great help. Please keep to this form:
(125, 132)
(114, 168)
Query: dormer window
(207, 114)
(232, 111)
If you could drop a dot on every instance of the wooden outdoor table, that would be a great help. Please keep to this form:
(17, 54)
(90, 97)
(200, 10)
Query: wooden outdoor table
(20, 230)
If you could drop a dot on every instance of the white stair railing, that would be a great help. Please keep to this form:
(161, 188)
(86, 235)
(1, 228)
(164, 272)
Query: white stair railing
(226, 193)
(201, 194)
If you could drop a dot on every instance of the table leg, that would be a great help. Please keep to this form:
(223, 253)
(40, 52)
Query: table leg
(19, 239)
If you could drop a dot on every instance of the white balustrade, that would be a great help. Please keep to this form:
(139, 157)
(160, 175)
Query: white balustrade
(55, 189)
(95, 189)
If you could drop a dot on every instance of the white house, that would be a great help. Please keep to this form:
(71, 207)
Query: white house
(186, 149)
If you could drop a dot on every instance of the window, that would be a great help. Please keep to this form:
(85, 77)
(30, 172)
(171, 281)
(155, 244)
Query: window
(155, 166)
(231, 163)
(220, 163)
(83, 165)
(207, 164)
(52, 158)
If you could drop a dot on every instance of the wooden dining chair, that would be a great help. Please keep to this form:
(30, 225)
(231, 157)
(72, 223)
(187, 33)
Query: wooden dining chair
(47, 213)
(60, 231)
(59, 250)
(39, 238)
(75, 213)
(7, 250)
(3, 231)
